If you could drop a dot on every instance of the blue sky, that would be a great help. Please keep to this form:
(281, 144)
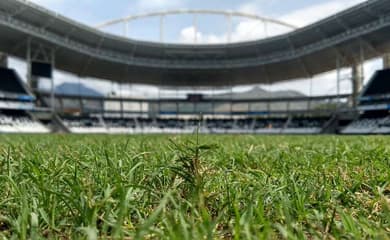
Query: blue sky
(211, 29)
(297, 12)
(95, 11)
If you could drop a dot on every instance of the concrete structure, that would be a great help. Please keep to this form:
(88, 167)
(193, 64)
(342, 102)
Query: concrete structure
(302, 53)
(3, 60)
(85, 51)
(357, 82)
(386, 60)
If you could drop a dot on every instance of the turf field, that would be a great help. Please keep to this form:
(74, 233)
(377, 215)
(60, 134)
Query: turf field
(189, 187)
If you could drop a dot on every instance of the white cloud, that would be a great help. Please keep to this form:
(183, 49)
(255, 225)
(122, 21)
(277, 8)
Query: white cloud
(243, 31)
(251, 30)
(250, 7)
(246, 30)
(148, 5)
(302, 16)
(316, 12)
(187, 35)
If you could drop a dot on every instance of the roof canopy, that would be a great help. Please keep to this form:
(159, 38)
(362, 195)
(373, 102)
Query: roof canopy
(362, 32)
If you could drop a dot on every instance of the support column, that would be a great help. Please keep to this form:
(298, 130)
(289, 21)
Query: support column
(162, 22)
(3, 60)
(338, 79)
(265, 28)
(195, 28)
(229, 28)
(357, 82)
(81, 105)
(39, 53)
(213, 102)
(386, 61)
(61, 103)
(29, 74)
(177, 108)
(52, 87)
(338, 66)
(121, 107)
(157, 111)
(35, 53)
(126, 29)
(288, 106)
(231, 101)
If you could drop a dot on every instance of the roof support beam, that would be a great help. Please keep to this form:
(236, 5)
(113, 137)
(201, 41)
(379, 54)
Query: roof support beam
(370, 46)
(357, 82)
(386, 61)
(339, 53)
(196, 11)
(89, 59)
(300, 60)
(3, 60)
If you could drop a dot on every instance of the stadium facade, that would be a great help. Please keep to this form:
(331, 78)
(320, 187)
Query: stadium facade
(46, 40)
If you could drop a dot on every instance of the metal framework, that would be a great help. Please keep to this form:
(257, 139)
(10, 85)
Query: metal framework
(229, 15)
(37, 52)
(302, 53)
(316, 105)
(3, 60)
(346, 39)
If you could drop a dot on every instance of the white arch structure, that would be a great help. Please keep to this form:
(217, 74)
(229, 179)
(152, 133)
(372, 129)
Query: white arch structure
(162, 14)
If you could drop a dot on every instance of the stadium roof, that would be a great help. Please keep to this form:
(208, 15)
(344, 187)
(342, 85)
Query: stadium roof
(305, 52)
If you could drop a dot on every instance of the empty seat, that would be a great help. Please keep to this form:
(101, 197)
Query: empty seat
(13, 121)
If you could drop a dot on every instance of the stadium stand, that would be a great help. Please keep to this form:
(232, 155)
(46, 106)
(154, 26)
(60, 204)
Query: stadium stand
(13, 91)
(378, 85)
(96, 124)
(301, 54)
(120, 125)
(83, 124)
(15, 100)
(305, 125)
(374, 105)
(11, 83)
(18, 121)
(371, 122)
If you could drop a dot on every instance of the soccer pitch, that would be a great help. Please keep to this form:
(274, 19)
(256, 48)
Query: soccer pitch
(194, 187)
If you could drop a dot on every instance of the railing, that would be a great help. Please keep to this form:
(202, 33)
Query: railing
(316, 105)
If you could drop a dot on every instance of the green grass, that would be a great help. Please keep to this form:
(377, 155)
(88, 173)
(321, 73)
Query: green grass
(214, 187)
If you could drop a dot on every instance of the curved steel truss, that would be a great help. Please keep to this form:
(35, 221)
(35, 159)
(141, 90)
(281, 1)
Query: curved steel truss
(229, 15)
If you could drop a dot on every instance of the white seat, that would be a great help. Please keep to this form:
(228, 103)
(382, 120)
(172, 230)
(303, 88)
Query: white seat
(22, 124)
(368, 125)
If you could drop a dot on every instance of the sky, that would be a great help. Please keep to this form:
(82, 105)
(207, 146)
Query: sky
(211, 29)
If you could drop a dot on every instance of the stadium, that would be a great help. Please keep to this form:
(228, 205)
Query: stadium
(159, 138)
